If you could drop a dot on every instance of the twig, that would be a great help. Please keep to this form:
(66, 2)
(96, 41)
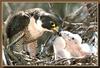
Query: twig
(43, 49)
(16, 40)
(8, 50)
(3, 56)
(47, 40)
(67, 23)
(8, 19)
(8, 8)
(41, 61)
(4, 36)
(50, 8)
(21, 57)
(94, 6)
(77, 12)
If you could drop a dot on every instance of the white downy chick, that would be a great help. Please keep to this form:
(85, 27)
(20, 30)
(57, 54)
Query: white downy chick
(59, 51)
(68, 45)
(71, 36)
(89, 48)
(73, 42)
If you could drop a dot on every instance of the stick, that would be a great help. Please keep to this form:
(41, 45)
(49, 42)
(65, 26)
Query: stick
(9, 9)
(16, 40)
(3, 56)
(50, 8)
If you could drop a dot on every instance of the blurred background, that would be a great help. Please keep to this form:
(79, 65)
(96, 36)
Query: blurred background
(62, 9)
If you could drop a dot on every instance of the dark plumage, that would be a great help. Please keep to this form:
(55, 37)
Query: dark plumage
(16, 24)
(33, 23)
(21, 20)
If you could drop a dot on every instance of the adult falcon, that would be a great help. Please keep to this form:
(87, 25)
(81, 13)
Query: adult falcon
(33, 23)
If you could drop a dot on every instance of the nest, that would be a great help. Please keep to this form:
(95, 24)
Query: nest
(86, 29)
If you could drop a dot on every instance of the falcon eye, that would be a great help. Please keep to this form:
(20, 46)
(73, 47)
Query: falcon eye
(53, 24)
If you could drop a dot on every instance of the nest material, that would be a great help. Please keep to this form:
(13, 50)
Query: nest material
(47, 58)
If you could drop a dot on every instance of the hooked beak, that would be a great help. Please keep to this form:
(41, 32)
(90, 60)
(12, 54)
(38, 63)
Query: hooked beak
(55, 29)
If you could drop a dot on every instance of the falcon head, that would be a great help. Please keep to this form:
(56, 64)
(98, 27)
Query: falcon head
(38, 19)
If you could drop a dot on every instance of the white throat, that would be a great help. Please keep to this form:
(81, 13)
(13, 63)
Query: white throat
(39, 23)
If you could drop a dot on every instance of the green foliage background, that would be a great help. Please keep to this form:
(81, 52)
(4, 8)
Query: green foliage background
(62, 9)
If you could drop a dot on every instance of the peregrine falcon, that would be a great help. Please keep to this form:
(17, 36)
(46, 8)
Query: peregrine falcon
(33, 23)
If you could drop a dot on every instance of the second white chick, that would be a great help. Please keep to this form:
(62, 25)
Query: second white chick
(85, 47)
(90, 49)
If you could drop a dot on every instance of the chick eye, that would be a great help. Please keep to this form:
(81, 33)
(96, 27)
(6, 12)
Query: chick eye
(72, 38)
